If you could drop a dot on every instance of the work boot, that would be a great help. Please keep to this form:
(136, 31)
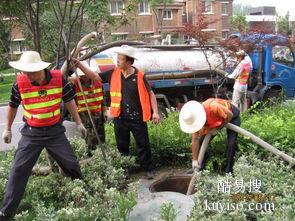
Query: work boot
(127, 174)
(150, 174)
(4, 217)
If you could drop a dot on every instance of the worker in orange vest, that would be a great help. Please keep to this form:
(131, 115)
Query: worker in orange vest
(241, 75)
(41, 93)
(133, 103)
(93, 93)
(200, 119)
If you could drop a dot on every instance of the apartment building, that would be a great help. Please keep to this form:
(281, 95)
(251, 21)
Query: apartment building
(171, 17)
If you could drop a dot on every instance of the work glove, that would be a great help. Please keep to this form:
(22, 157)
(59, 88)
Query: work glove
(6, 136)
(82, 130)
(107, 114)
(195, 165)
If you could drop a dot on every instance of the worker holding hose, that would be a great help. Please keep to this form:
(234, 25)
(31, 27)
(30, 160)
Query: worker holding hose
(206, 118)
(241, 75)
(94, 97)
(133, 103)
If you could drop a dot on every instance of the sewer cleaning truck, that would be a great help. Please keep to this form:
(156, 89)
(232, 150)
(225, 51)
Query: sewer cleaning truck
(178, 73)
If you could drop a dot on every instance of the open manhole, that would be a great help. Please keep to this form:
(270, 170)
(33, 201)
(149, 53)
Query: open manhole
(171, 183)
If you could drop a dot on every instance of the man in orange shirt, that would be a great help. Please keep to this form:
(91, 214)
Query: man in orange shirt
(202, 119)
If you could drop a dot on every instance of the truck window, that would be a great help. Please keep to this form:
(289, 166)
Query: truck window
(283, 55)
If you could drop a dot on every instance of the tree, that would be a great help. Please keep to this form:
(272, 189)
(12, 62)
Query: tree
(283, 24)
(197, 32)
(26, 12)
(4, 43)
(98, 13)
(238, 22)
(159, 17)
(240, 9)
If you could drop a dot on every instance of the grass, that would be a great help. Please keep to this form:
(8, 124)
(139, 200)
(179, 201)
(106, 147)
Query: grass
(5, 88)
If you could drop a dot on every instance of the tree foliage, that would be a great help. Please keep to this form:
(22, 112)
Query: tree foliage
(283, 24)
(238, 23)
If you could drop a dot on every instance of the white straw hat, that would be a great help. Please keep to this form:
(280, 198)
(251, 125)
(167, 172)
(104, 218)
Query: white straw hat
(192, 117)
(127, 50)
(30, 61)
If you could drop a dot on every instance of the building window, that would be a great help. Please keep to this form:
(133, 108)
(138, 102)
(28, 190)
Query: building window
(168, 15)
(144, 7)
(224, 34)
(208, 7)
(224, 10)
(116, 7)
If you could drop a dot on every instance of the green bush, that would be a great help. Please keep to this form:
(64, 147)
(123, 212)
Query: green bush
(171, 147)
(275, 181)
(103, 194)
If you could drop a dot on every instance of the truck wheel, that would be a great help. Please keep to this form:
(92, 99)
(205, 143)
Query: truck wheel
(162, 111)
(273, 96)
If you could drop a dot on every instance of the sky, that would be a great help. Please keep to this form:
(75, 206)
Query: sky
(282, 6)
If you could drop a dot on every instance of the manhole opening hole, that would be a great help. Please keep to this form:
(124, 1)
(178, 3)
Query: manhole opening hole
(172, 183)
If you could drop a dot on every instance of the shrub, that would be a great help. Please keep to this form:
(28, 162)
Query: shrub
(102, 194)
(275, 180)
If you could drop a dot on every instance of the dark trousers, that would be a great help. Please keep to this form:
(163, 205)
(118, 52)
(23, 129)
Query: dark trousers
(98, 121)
(123, 127)
(26, 155)
(231, 142)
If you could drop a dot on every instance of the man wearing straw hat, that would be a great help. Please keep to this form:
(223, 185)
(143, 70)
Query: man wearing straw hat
(206, 118)
(94, 97)
(41, 93)
(133, 103)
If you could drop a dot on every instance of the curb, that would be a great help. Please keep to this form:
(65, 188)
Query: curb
(3, 104)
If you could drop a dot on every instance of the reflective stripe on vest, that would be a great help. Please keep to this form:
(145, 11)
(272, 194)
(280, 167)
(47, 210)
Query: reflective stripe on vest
(116, 95)
(93, 96)
(212, 120)
(41, 103)
(243, 77)
(82, 109)
(87, 92)
(36, 94)
(89, 100)
(41, 116)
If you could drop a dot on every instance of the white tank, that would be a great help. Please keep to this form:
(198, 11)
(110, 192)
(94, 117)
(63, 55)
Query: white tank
(159, 61)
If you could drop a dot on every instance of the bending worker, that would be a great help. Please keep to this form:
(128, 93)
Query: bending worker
(241, 75)
(41, 93)
(94, 98)
(208, 117)
(133, 103)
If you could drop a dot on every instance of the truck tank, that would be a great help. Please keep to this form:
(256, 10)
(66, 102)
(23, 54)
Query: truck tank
(165, 62)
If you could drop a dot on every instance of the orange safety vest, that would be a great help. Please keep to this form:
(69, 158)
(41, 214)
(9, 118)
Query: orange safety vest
(116, 94)
(244, 76)
(214, 121)
(93, 95)
(41, 103)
